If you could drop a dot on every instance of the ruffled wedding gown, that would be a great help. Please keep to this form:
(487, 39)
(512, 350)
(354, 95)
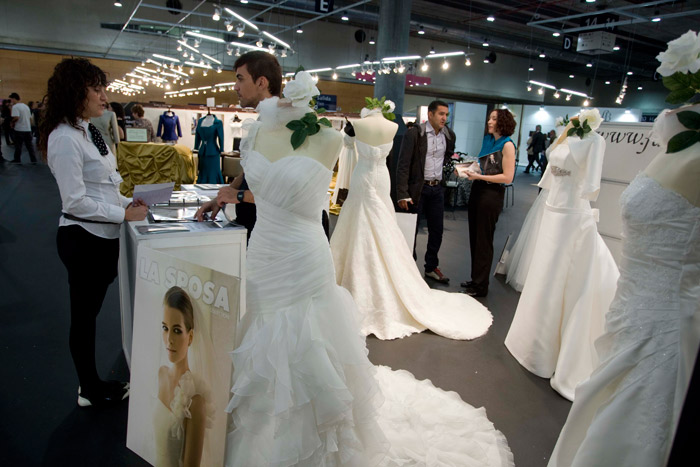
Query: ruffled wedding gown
(572, 276)
(626, 414)
(304, 391)
(373, 261)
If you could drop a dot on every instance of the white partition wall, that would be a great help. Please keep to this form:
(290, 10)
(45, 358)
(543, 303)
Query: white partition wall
(469, 120)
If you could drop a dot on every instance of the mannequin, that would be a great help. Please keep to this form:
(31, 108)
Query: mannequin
(375, 130)
(324, 146)
(679, 171)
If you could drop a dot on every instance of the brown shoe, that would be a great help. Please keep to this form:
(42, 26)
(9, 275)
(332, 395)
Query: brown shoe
(437, 275)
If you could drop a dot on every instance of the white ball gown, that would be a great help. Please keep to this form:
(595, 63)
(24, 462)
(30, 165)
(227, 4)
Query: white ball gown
(373, 261)
(626, 414)
(572, 277)
(304, 391)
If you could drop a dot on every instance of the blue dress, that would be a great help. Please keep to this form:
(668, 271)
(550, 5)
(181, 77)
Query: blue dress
(209, 169)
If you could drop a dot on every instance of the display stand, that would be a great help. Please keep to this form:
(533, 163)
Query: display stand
(222, 249)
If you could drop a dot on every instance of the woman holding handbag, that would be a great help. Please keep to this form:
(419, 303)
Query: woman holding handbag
(497, 162)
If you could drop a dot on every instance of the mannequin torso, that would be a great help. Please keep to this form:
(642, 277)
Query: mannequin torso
(274, 142)
(375, 130)
(678, 172)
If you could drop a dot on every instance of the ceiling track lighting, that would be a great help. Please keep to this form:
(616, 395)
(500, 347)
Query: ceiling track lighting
(490, 18)
(240, 18)
(432, 50)
(372, 41)
(421, 31)
(217, 13)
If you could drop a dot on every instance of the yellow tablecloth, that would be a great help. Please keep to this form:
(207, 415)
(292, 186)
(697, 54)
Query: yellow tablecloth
(148, 163)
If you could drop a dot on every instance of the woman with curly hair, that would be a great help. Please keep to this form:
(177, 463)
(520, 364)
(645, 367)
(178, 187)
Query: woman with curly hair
(93, 209)
(497, 162)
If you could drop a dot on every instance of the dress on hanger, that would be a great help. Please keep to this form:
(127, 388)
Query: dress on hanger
(209, 140)
(627, 412)
(304, 391)
(169, 127)
(572, 276)
(373, 261)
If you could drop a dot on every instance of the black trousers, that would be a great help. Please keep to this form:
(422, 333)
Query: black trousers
(7, 129)
(26, 138)
(531, 159)
(431, 206)
(485, 205)
(91, 262)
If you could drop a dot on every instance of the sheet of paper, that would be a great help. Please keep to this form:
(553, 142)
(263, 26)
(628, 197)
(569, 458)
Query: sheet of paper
(155, 193)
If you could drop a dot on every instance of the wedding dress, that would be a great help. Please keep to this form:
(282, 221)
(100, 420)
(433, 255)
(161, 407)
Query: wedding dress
(373, 261)
(627, 412)
(520, 255)
(304, 391)
(572, 276)
(169, 421)
(346, 165)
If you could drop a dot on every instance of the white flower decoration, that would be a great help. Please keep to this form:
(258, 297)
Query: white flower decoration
(683, 54)
(559, 121)
(592, 116)
(391, 105)
(301, 89)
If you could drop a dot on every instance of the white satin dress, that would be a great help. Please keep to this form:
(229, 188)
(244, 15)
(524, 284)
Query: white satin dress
(373, 261)
(572, 277)
(304, 391)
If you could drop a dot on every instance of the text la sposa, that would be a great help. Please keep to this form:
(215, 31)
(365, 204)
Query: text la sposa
(191, 283)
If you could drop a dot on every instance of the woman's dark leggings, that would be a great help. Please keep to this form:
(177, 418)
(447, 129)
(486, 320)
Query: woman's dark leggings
(91, 262)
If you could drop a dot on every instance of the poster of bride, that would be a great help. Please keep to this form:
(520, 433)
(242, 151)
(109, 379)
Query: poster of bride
(184, 326)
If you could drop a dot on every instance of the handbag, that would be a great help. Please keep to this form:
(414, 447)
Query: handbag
(491, 164)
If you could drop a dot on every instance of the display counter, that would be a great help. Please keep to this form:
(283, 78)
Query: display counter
(219, 248)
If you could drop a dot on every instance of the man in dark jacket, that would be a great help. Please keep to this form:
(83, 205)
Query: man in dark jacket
(538, 145)
(424, 150)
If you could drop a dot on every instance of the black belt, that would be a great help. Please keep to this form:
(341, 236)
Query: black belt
(80, 219)
(432, 182)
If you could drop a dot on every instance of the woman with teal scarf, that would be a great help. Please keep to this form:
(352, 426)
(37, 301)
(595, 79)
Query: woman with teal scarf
(497, 161)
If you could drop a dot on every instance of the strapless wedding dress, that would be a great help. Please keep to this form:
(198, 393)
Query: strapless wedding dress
(572, 275)
(373, 261)
(304, 391)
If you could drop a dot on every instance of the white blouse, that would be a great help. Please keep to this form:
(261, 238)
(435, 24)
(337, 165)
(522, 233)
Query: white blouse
(88, 182)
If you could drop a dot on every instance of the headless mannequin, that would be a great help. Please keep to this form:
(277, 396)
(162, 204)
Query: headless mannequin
(323, 147)
(679, 171)
(375, 130)
(208, 120)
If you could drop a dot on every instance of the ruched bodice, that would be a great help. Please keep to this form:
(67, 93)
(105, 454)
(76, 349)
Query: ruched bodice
(371, 173)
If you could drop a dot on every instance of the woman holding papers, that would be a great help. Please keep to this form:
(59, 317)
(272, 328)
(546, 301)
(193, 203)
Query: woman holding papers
(88, 234)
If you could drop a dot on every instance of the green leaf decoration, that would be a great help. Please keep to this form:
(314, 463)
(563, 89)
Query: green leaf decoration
(295, 125)
(313, 129)
(298, 138)
(299, 68)
(325, 122)
(586, 126)
(389, 115)
(576, 123)
(368, 101)
(571, 131)
(321, 110)
(682, 140)
(689, 119)
(675, 82)
(680, 96)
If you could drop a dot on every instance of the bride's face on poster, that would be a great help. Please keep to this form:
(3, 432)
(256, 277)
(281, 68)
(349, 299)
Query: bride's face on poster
(176, 337)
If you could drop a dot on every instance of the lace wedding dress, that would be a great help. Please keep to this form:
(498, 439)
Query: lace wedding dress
(626, 413)
(373, 261)
(304, 391)
(169, 421)
(346, 165)
(572, 276)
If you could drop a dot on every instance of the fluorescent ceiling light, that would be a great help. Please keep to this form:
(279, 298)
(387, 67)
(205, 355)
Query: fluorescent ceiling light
(279, 41)
(203, 88)
(575, 93)
(544, 85)
(206, 66)
(211, 58)
(233, 13)
(165, 57)
(250, 47)
(404, 57)
(204, 36)
(343, 67)
(145, 70)
(445, 54)
(154, 62)
(319, 70)
(226, 84)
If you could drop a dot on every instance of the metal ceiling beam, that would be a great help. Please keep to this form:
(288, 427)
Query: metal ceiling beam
(324, 15)
(619, 10)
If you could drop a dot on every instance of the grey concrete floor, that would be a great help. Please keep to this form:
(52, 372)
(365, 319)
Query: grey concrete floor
(42, 424)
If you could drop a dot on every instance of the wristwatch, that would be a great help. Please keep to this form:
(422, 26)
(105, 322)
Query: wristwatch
(239, 195)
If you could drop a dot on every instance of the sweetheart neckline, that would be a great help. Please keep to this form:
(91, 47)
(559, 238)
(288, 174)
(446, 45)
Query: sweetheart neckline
(253, 151)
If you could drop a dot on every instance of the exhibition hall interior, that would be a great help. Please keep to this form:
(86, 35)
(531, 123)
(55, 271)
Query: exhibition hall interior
(350, 232)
